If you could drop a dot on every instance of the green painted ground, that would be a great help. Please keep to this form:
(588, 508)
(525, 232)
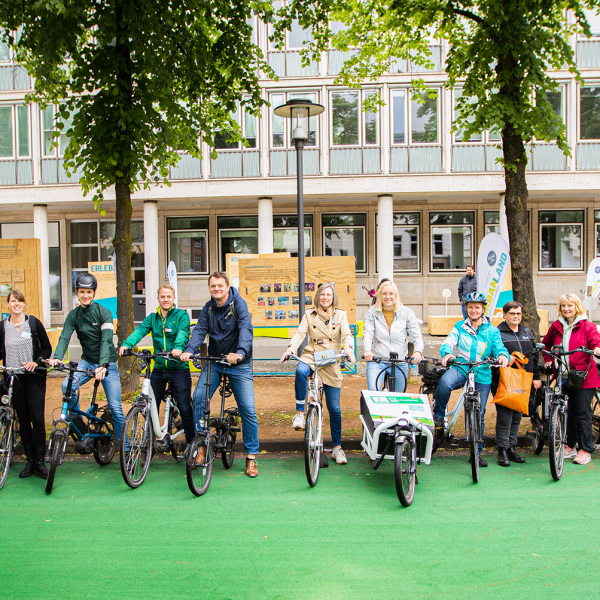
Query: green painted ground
(516, 534)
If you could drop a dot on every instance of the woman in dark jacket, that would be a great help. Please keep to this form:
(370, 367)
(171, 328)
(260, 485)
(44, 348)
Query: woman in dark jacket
(571, 331)
(516, 338)
(24, 343)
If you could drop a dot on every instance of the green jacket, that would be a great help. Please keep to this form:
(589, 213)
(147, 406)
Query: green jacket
(170, 333)
(94, 327)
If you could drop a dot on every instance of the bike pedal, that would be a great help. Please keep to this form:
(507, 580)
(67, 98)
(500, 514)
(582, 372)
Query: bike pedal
(454, 443)
(531, 435)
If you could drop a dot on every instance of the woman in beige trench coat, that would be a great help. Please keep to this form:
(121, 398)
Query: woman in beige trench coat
(327, 327)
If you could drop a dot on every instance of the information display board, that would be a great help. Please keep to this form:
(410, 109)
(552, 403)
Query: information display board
(106, 294)
(271, 289)
(232, 260)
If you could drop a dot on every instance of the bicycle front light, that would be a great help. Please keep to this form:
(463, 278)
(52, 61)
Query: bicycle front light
(5, 399)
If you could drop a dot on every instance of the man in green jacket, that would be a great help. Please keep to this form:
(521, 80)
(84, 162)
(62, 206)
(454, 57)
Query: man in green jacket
(94, 326)
(170, 329)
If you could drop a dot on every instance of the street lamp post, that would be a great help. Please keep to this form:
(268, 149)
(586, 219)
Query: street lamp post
(299, 111)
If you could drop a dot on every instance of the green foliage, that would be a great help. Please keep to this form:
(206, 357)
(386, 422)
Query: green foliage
(138, 81)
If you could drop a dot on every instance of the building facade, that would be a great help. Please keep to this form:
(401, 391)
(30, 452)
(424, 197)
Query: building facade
(397, 189)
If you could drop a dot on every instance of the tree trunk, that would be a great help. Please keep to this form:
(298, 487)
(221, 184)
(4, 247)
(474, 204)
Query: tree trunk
(518, 227)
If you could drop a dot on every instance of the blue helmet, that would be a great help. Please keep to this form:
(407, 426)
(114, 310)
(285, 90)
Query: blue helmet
(475, 297)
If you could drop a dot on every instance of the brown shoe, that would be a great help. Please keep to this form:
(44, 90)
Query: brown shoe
(200, 456)
(251, 468)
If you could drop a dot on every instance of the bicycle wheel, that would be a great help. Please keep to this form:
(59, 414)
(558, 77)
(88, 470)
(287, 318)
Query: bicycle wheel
(6, 447)
(596, 418)
(57, 441)
(136, 447)
(177, 434)
(199, 475)
(473, 423)
(228, 454)
(537, 424)
(555, 441)
(312, 446)
(105, 447)
(404, 472)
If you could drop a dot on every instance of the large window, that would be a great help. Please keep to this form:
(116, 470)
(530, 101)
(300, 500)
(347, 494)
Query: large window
(345, 235)
(285, 234)
(589, 117)
(406, 242)
(188, 244)
(424, 118)
(14, 131)
(25, 230)
(237, 235)
(597, 229)
(49, 118)
(561, 239)
(350, 125)
(280, 126)
(247, 123)
(451, 237)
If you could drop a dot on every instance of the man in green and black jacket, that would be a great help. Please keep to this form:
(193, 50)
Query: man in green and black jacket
(170, 330)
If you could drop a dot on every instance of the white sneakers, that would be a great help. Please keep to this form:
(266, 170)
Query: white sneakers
(338, 455)
(582, 458)
(570, 452)
(298, 421)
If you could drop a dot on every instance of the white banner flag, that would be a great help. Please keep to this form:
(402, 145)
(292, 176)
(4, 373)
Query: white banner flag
(172, 277)
(593, 277)
(493, 263)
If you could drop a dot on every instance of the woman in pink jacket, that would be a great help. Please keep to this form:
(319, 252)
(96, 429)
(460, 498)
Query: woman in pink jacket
(571, 331)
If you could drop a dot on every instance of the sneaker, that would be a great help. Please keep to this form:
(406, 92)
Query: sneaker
(338, 455)
(582, 458)
(298, 421)
(570, 452)
(251, 468)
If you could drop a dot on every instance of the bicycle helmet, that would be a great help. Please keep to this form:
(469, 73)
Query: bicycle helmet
(475, 297)
(87, 281)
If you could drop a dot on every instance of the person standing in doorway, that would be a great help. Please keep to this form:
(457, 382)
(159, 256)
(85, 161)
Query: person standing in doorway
(467, 285)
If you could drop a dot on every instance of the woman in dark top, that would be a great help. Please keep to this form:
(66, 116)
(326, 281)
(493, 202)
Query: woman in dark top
(24, 343)
(516, 338)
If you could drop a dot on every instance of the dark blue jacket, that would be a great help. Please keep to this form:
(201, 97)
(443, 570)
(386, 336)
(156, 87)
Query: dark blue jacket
(229, 330)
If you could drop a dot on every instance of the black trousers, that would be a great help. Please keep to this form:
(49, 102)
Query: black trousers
(579, 419)
(29, 400)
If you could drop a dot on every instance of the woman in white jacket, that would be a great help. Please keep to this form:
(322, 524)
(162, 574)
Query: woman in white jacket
(388, 326)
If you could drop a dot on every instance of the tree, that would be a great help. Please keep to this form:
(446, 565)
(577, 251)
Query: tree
(502, 55)
(137, 81)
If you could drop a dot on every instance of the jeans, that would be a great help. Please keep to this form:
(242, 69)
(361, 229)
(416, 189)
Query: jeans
(332, 399)
(240, 379)
(112, 388)
(181, 388)
(373, 378)
(453, 379)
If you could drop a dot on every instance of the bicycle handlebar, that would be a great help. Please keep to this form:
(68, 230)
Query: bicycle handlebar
(320, 363)
(71, 367)
(20, 370)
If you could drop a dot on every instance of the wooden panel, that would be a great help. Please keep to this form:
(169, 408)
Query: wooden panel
(20, 267)
(53, 335)
(443, 325)
(232, 261)
(270, 286)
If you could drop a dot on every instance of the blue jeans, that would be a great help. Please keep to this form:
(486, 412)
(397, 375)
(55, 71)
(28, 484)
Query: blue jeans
(112, 388)
(375, 382)
(181, 388)
(242, 385)
(453, 379)
(332, 399)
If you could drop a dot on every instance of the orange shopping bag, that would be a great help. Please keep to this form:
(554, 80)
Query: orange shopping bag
(514, 386)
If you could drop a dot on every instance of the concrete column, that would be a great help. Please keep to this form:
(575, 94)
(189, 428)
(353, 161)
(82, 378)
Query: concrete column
(503, 222)
(265, 225)
(385, 237)
(151, 267)
(40, 231)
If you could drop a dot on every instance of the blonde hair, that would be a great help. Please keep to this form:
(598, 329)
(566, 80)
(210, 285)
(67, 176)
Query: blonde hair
(320, 290)
(379, 292)
(575, 299)
(166, 286)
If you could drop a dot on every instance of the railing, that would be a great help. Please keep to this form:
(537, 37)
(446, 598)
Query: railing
(349, 161)
(16, 172)
(14, 77)
(288, 64)
(416, 159)
(188, 167)
(235, 163)
(283, 162)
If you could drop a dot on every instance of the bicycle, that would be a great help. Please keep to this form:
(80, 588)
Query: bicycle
(142, 430)
(389, 378)
(95, 437)
(470, 399)
(221, 439)
(407, 437)
(555, 411)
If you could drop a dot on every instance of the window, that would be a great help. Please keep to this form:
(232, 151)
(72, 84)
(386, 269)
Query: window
(4, 49)
(594, 20)
(247, 123)
(296, 37)
(406, 241)
(424, 118)
(589, 117)
(285, 234)
(597, 221)
(188, 244)
(14, 131)
(451, 240)
(350, 125)
(25, 230)
(491, 219)
(237, 235)
(399, 117)
(280, 127)
(459, 134)
(91, 241)
(561, 239)
(345, 235)
(49, 118)
(557, 100)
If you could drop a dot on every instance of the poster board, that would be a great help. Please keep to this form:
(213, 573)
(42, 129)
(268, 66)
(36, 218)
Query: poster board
(106, 294)
(20, 267)
(232, 261)
(270, 286)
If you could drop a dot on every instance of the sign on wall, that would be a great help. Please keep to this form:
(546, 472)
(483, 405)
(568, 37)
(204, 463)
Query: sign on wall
(106, 294)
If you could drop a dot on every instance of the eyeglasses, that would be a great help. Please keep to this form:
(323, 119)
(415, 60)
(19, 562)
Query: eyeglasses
(514, 314)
